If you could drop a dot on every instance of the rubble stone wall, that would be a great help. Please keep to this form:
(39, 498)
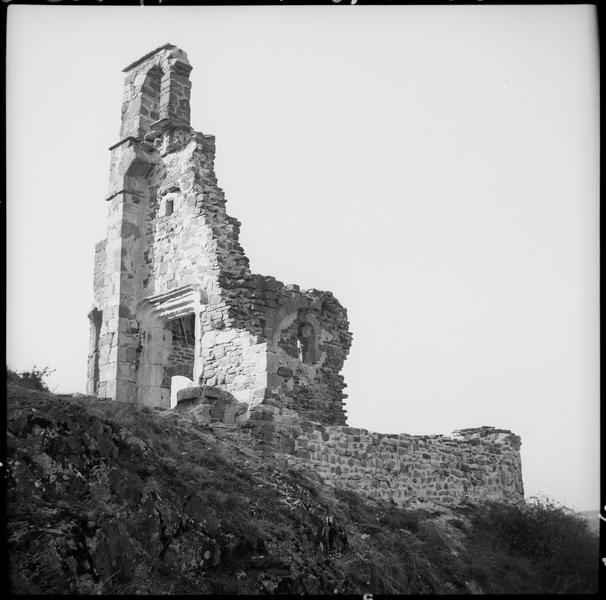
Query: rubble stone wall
(189, 238)
(169, 236)
(475, 465)
(265, 358)
(470, 465)
(311, 382)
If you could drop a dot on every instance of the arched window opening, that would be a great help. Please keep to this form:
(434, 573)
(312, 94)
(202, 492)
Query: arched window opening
(306, 343)
(150, 100)
(287, 339)
(297, 338)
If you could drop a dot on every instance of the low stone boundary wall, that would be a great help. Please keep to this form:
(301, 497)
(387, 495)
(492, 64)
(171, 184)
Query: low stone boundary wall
(470, 465)
(473, 464)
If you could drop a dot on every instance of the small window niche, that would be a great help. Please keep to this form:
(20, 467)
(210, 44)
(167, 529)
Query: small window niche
(169, 201)
(306, 343)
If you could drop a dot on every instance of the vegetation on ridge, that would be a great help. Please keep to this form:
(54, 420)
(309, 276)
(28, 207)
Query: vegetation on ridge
(32, 380)
(112, 498)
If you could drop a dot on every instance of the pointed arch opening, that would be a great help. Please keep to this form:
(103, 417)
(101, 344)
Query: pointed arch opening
(149, 110)
(296, 336)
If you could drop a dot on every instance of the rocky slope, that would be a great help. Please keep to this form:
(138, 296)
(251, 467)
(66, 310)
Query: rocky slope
(110, 498)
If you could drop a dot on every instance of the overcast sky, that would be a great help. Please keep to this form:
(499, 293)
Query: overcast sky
(436, 168)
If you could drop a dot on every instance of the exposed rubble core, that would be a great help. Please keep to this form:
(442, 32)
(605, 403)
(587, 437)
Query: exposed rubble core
(174, 296)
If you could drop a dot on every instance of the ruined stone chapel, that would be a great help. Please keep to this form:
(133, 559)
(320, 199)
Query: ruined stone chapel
(174, 296)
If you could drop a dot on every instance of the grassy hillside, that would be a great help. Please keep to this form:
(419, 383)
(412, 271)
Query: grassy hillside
(110, 498)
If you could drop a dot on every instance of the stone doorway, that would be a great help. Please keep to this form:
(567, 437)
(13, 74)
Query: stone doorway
(170, 343)
(179, 373)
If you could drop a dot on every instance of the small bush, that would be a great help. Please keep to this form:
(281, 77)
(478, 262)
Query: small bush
(32, 380)
(553, 542)
(354, 507)
(399, 518)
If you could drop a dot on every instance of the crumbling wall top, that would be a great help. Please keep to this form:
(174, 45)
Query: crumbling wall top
(172, 51)
(156, 90)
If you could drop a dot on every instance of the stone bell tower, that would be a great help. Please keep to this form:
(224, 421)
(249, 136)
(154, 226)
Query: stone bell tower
(155, 248)
(173, 293)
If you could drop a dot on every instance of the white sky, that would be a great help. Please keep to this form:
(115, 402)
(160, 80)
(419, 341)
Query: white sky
(436, 168)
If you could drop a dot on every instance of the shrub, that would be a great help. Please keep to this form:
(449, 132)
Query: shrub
(32, 380)
(554, 542)
(399, 518)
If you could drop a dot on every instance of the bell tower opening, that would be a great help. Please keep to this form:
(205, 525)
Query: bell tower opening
(150, 99)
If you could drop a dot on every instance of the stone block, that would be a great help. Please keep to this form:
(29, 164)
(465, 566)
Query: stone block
(285, 371)
(190, 393)
(208, 339)
(224, 337)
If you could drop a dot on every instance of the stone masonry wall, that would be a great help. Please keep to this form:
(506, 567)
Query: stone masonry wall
(311, 384)
(181, 360)
(470, 465)
(265, 358)
(170, 237)
(189, 238)
(475, 465)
